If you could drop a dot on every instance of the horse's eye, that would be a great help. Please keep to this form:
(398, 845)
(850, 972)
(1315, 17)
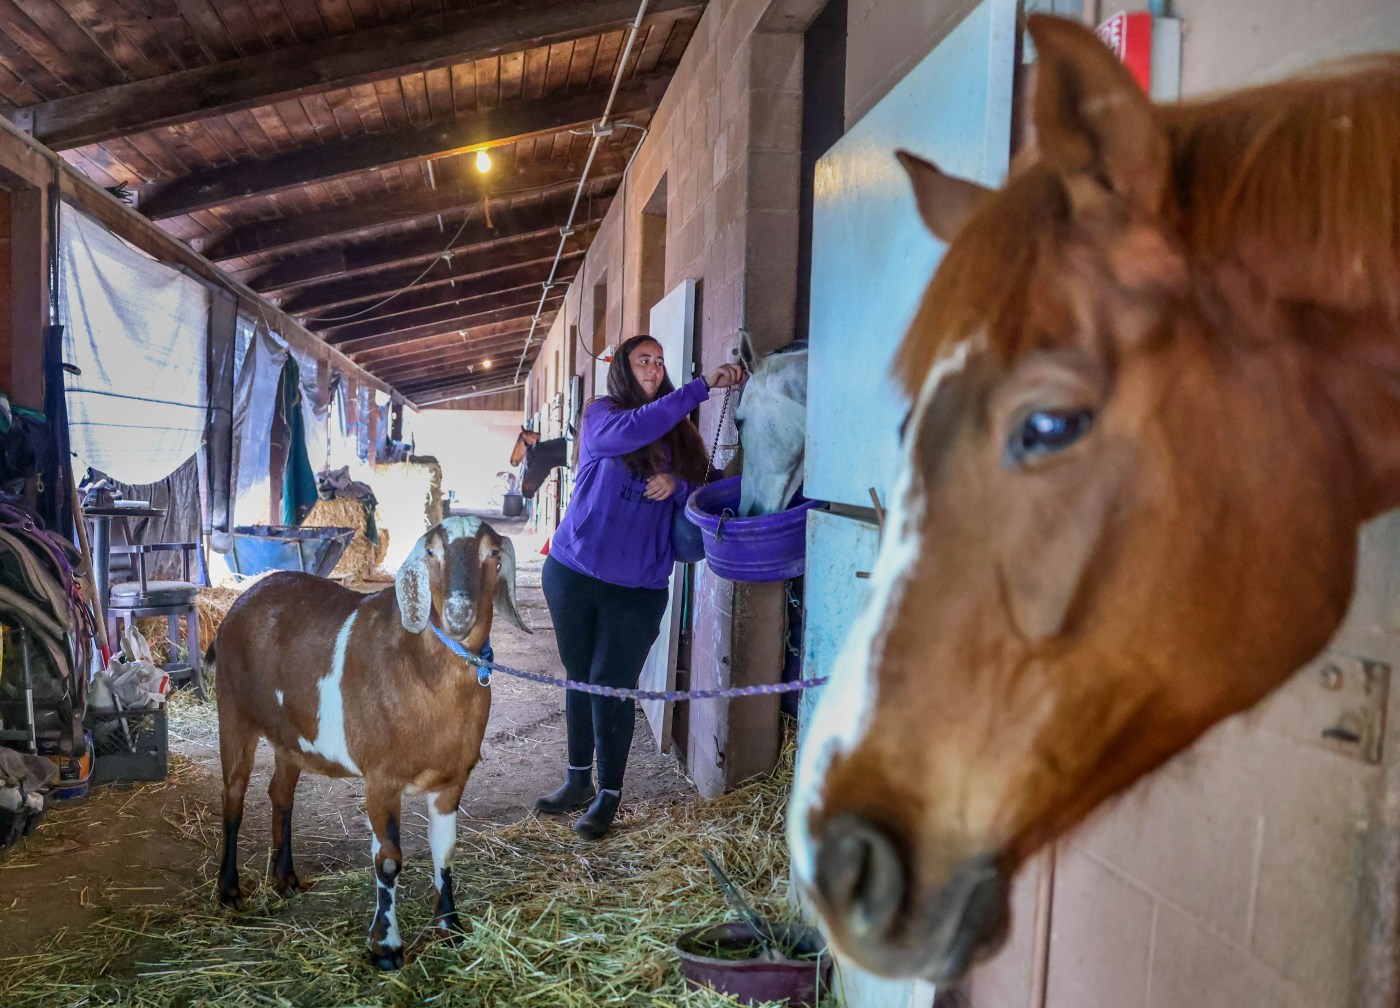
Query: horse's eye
(429, 551)
(1045, 432)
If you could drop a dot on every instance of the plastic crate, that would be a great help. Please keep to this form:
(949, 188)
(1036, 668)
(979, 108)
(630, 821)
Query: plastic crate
(129, 745)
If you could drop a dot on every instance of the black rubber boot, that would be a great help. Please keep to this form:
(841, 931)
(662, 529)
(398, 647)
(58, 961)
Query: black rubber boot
(576, 793)
(595, 823)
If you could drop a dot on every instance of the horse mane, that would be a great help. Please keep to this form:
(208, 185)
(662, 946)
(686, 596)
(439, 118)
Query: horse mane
(1298, 180)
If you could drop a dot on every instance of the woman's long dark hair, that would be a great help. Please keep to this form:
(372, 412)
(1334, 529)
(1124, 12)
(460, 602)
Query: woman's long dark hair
(687, 450)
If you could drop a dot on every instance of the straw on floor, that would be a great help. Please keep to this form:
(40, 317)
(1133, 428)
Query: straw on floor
(554, 923)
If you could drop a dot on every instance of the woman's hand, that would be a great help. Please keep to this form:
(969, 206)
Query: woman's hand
(726, 375)
(660, 487)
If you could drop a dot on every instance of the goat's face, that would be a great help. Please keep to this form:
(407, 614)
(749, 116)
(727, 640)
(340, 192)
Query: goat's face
(458, 573)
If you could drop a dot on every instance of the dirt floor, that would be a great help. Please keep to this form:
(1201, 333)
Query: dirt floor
(126, 845)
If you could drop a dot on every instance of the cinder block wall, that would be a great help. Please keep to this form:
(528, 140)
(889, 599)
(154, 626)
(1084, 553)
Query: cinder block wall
(724, 147)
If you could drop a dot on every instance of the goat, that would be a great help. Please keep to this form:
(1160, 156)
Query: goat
(345, 684)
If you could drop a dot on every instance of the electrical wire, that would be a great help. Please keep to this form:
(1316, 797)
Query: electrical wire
(598, 135)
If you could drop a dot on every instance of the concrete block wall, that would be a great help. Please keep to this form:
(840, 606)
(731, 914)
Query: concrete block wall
(724, 146)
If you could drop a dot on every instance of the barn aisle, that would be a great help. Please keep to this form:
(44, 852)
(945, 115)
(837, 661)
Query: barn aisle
(137, 859)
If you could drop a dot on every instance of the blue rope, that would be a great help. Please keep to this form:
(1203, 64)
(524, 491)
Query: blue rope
(485, 665)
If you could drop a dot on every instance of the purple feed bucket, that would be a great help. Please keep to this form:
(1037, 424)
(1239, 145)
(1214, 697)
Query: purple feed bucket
(762, 548)
(797, 983)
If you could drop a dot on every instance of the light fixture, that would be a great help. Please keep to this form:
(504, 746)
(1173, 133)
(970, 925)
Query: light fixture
(483, 161)
(486, 363)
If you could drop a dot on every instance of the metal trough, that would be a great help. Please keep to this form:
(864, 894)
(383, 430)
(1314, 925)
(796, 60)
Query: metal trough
(260, 548)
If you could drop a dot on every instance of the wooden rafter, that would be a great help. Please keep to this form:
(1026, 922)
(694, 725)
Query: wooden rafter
(400, 208)
(476, 238)
(489, 380)
(360, 57)
(425, 347)
(445, 311)
(465, 271)
(349, 156)
(366, 342)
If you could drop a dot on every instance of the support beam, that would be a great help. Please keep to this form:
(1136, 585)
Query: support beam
(447, 311)
(465, 270)
(405, 207)
(480, 384)
(353, 155)
(424, 348)
(362, 57)
(463, 353)
(510, 225)
(439, 329)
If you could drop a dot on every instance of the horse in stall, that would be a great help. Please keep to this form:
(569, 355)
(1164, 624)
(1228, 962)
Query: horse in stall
(540, 457)
(772, 424)
(1156, 391)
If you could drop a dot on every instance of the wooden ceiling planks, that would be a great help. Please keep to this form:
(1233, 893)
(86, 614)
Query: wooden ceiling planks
(334, 190)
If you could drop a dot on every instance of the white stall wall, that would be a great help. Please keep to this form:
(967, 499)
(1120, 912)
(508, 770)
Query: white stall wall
(470, 445)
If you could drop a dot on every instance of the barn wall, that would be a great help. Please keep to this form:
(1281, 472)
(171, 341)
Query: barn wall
(713, 195)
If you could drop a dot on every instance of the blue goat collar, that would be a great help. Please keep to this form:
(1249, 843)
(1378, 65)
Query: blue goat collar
(482, 662)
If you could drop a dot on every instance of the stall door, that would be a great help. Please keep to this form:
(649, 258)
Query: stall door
(673, 326)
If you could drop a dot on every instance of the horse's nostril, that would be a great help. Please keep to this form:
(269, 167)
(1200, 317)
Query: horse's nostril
(860, 874)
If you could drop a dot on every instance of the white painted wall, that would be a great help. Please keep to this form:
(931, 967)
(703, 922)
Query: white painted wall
(471, 445)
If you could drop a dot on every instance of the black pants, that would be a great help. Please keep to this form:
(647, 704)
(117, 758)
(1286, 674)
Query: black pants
(604, 632)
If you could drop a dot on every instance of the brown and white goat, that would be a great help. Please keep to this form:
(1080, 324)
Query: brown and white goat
(345, 684)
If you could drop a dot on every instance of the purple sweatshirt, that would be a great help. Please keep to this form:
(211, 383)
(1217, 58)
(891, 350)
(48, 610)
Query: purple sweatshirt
(610, 530)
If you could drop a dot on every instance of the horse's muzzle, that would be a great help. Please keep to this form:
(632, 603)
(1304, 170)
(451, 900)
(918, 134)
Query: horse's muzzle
(864, 891)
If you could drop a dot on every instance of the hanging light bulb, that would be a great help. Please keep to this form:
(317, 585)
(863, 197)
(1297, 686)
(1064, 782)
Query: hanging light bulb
(486, 363)
(483, 161)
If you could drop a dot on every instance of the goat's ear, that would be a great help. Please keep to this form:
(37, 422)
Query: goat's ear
(414, 592)
(505, 587)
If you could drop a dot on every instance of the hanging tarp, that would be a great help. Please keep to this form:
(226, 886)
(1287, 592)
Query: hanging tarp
(137, 330)
(223, 329)
(260, 355)
(298, 481)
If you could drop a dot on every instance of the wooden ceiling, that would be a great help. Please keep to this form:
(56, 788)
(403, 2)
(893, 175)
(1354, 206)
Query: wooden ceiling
(323, 151)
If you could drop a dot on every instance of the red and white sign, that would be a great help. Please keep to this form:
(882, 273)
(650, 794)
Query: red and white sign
(1130, 37)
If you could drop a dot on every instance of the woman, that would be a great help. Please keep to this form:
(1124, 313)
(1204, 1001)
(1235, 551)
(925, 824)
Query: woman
(610, 562)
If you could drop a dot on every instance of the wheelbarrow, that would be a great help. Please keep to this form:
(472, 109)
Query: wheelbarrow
(260, 548)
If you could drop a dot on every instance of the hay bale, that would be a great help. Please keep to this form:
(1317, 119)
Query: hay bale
(361, 557)
(212, 605)
(410, 503)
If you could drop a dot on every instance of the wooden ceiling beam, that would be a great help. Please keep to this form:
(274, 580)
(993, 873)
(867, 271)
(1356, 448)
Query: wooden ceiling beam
(430, 397)
(361, 57)
(510, 226)
(442, 312)
(427, 346)
(463, 272)
(405, 207)
(454, 383)
(441, 328)
(500, 354)
(354, 155)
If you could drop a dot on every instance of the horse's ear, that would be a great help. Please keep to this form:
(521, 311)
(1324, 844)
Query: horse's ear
(1091, 117)
(747, 356)
(945, 203)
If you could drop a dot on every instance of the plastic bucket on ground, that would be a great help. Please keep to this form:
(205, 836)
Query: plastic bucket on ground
(715, 956)
(762, 548)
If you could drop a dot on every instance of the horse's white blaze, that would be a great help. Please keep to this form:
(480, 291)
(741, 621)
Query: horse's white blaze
(442, 838)
(330, 742)
(845, 712)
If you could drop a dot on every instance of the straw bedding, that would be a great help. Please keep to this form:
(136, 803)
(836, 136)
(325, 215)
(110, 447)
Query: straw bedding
(213, 605)
(554, 923)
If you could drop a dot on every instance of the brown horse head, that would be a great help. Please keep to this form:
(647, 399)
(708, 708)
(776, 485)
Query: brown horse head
(523, 441)
(1156, 387)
